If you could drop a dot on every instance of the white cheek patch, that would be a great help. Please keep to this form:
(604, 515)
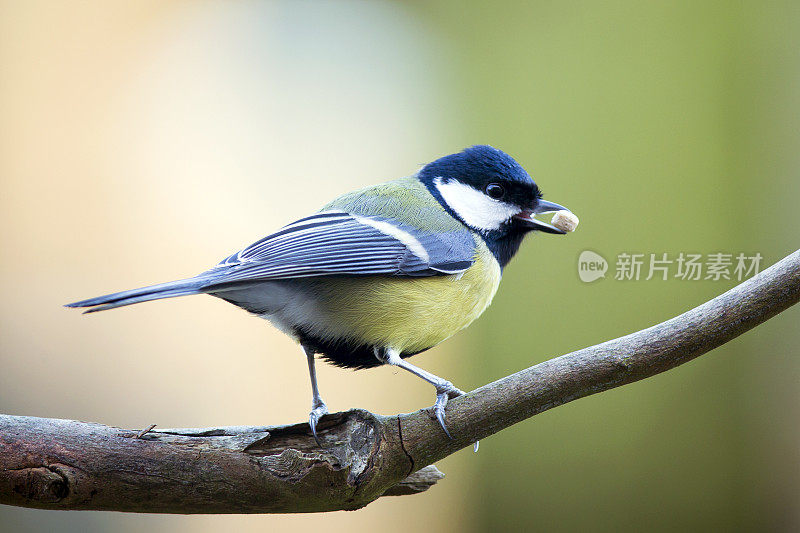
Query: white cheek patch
(475, 208)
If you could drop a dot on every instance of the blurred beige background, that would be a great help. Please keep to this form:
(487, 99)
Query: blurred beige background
(144, 141)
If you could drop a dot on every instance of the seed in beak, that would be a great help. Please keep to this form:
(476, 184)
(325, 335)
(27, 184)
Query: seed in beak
(565, 221)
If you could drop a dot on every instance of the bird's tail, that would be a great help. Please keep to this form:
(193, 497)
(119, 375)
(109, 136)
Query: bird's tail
(171, 289)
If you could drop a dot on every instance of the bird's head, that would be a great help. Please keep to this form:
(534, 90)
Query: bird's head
(492, 194)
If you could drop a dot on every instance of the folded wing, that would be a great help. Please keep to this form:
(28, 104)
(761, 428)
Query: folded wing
(340, 243)
(326, 244)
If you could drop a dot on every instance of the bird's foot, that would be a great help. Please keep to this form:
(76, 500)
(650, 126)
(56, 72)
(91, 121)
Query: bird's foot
(318, 410)
(444, 392)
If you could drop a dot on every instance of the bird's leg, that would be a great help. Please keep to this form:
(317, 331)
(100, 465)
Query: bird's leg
(444, 389)
(318, 407)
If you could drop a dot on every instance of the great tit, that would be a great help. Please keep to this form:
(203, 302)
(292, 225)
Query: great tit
(382, 273)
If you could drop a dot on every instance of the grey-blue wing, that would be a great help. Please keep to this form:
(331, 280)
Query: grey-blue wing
(341, 243)
(326, 244)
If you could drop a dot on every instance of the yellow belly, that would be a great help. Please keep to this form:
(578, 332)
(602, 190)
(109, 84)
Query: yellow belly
(407, 314)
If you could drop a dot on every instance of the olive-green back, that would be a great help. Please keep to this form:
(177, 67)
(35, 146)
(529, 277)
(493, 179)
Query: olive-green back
(406, 200)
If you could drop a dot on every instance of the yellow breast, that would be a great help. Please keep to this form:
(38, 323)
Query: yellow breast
(408, 314)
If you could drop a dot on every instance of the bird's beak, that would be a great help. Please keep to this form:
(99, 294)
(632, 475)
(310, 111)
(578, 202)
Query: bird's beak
(542, 206)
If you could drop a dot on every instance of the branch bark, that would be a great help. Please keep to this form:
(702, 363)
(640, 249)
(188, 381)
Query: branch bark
(65, 464)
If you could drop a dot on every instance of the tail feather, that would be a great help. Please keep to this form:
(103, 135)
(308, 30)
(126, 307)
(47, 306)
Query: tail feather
(171, 289)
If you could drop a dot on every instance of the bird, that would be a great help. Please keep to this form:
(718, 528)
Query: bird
(381, 273)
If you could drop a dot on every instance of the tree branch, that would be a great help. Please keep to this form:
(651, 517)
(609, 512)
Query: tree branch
(64, 464)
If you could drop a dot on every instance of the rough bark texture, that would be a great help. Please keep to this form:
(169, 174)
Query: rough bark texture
(64, 464)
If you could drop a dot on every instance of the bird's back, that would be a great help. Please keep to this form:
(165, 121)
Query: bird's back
(405, 200)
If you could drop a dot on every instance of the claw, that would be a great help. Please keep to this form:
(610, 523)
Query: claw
(318, 411)
(438, 410)
(444, 389)
(443, 394)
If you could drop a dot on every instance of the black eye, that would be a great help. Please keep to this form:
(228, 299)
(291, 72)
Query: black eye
(495, 190)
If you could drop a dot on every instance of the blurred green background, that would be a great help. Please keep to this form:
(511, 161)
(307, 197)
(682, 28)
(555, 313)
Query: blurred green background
(144, 141)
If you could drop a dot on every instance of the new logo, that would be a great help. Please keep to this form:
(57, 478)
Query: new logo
(591, 266)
